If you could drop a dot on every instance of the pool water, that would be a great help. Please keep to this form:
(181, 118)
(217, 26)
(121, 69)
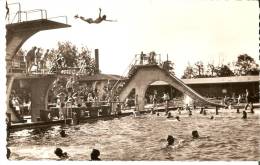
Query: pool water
(226, 137)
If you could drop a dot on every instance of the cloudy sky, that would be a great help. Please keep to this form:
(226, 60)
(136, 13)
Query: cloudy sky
(207, 30)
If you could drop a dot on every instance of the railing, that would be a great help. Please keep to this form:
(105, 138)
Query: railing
(22, 16)
(65, 17)
(124, 73)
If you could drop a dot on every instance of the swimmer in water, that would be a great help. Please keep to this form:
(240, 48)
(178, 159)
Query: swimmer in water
(178, 118)
(244, 115)
(212, 117)
(137, 114)
(169, 115)
(201, 110)
(170, 140)
(95, 154)
(190, 112)
(195, 134)
(8, 153)
(62, 155)
(204, 112)
(62, 133)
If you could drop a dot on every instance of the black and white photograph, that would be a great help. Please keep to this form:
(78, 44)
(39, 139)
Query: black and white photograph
(132, 80)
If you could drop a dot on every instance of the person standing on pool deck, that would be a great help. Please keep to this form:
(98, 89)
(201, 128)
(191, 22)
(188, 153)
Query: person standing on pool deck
(247, 99)
(238, 99)
(69, 86)
(166, 101)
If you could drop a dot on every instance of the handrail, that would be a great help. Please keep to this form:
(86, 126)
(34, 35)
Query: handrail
(19, 9)
(127, 68)
(62, 16)
(18, 15)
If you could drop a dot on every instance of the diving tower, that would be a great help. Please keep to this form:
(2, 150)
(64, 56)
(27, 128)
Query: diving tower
(18, 31)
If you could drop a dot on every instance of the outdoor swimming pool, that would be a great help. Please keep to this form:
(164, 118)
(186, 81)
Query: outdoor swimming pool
(226, 137)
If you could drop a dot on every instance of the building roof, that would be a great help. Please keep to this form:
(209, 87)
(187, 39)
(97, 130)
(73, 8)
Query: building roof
(219, 80)
(215, 80)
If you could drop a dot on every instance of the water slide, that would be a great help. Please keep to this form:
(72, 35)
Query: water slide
(147, 74)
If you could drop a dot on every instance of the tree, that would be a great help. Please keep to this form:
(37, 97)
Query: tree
(211, 70)
(188, 72)
(74, 57)
(199, 69)
(245, 65)
(224, 71)
(69, 52)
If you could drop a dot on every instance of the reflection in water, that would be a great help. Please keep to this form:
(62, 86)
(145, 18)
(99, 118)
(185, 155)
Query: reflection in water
(227, 137)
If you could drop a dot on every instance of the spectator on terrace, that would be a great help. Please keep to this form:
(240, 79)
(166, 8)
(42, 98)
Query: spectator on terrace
(16, 104)
(30, 59)
(142, 56)
(43, 60)
(38, 59)
(152, 57)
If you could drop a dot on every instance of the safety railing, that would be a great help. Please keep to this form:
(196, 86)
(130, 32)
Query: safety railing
(29, 15)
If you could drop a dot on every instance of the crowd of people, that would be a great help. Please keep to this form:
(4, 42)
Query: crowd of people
(20, 102)
(42, 61)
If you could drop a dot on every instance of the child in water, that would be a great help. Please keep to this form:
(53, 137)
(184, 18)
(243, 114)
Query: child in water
(62, 155)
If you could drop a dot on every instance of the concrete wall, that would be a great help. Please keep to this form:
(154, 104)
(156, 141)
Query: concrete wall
(39, 87)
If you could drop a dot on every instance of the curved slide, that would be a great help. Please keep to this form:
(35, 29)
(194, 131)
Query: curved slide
(147, 74)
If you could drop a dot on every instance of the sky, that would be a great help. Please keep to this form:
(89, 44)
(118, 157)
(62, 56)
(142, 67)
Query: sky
(188, 31)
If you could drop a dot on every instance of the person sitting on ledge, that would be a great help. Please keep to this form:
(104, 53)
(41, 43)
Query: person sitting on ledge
(97, 20)
(178, 118)
(212, 117)
(95, 154)
(62, 155)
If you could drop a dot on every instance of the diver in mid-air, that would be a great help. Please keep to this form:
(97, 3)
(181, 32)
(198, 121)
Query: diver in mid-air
(97, 20)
